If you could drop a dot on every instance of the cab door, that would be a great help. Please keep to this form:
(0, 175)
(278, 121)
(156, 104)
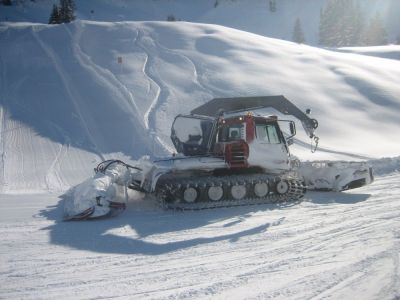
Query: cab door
(269, 150)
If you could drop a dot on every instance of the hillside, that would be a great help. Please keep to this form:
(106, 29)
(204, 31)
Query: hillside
(70, 104)
(253, 16)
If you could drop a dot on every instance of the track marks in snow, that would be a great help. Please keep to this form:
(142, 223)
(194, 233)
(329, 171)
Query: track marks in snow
(53, 178)
(318, 258)
(340, 245)
(154, 58)
(139, 90)
(160, 66)
(195, 79)
(103, 75)
(74, 96)
(2, 149)
(2, 124)
(152, 81)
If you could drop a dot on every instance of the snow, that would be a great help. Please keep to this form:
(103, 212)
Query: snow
(390, 51)
(329, 246)
(67, 104)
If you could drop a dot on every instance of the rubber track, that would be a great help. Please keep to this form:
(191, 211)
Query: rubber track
(174, 190)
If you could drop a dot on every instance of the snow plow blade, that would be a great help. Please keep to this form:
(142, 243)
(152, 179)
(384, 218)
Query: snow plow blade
(335, 176)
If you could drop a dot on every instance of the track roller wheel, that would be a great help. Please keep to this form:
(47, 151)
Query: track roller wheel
(282, 187)
(261, 189)
(215, 193)
(190, 194)
(238, 191)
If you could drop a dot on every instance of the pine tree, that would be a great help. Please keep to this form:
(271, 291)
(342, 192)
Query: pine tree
(323, 28)
(272, 5)
(346, 24)
(55, 15)
(72, 8)
(298, 35)
(359, 22)
(375, 33)
(341, 24)
(171, 18)
(327, 25)
(62, 13)
(67, 8)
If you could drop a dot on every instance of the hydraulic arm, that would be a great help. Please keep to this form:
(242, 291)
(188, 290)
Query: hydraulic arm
(237, 104)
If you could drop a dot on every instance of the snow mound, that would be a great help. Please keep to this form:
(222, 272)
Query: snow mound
(385, 166)
(389, 52)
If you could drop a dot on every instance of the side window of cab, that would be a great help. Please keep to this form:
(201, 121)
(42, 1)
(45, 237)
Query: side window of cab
(267, 133)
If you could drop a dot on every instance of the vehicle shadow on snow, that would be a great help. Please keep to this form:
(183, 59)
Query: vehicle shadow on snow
(132, 231)
(335, 197)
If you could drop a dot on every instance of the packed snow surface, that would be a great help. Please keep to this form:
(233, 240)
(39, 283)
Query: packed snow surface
(331, 245)
(74, 95)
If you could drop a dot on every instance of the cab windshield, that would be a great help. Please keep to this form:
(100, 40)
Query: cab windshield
(231, 133)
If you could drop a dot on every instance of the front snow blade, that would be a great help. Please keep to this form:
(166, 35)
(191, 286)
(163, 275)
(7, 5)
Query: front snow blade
(103, 209)
(116, 208)
(81, 216)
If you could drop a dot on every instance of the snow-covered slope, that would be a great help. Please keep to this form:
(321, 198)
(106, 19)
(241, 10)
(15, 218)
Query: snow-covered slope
(67, 103)
(390, 52)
